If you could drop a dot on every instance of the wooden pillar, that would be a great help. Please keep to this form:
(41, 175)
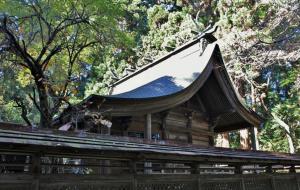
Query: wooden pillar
(148, 136)
(244, 139)
(189, 126)
(213, 123)
(164, 126)
(254, 139)
(148, 127)
(222, 140)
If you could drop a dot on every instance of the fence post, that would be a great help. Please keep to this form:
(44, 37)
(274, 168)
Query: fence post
(269, 169)
(292, 169)
(134, 182)
(273, 183)
(199, 181)
(298, 185)
(36, 170)
(243, 184)
(133, 171)
(238, 169)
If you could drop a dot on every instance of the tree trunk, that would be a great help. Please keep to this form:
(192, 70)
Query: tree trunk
(287, 132)
(222, 140)
(254, 139)
(45, 115)
(244, 139)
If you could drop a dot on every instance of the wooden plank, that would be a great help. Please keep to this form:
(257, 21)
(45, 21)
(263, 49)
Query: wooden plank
(201, 143)
(200, 138)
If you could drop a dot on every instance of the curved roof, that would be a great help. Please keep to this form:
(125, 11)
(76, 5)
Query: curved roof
(174, 79)
(168, 77)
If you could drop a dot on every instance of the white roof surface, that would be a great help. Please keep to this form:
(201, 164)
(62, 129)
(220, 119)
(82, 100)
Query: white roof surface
(168, 76)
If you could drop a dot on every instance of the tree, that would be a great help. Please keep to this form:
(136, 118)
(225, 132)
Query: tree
(261, 43)
(52, 42)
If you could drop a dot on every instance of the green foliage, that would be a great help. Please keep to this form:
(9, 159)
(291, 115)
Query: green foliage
(272, 138)
(261, 12)
(234, 139)
(286, 104)
(259, 41)
(60, 39)
(168, 30)
(157, 16)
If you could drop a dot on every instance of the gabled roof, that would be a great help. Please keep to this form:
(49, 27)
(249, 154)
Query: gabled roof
(188, 71)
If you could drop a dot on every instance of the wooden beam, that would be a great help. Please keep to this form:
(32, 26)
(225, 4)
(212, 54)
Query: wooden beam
(233, 127)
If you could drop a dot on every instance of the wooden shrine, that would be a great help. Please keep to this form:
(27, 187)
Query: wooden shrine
(155, 131)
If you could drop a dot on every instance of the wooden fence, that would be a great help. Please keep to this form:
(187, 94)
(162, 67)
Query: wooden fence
(151, 182)
(47, 160)
(28, 171)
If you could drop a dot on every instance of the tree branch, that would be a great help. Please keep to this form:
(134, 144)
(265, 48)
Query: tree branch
(21, 105)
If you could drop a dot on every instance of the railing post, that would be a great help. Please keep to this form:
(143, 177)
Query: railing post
(238, 169)
(195, 168)
(292, 169)
(269, 169)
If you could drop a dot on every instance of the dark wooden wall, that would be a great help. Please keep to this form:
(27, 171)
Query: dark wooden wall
(186, 123)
